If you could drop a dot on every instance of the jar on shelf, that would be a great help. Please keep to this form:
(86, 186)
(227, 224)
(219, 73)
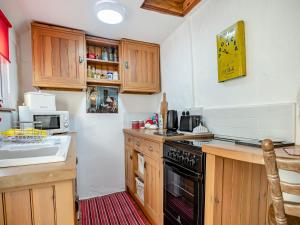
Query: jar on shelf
(115, 75)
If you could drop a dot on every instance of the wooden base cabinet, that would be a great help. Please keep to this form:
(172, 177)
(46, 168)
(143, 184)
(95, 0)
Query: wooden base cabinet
(152, 177)
(130, 183)
(153, 188)
(236, 192)
(47, 204)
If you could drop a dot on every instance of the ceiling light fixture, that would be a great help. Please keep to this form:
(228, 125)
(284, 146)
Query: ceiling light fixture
(110, 11)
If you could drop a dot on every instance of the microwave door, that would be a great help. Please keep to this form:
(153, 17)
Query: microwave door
(49, 122)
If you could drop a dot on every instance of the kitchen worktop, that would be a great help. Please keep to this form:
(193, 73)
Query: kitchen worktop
(149, 134)
(12, 177)
(242, 153)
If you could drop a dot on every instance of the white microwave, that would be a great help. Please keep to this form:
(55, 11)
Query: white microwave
(54, 122)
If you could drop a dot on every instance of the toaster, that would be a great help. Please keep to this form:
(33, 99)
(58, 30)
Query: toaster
(189, 122)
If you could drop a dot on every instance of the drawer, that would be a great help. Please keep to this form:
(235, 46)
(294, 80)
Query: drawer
(138, 144)
(129, 140)
(152, 149)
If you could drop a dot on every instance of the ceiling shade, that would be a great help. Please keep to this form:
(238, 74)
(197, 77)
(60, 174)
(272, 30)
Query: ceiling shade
(4, 40)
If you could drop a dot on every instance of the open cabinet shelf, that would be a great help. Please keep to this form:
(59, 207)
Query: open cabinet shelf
(102, 69)
(104, 82)
(99, 61)
(139, 175)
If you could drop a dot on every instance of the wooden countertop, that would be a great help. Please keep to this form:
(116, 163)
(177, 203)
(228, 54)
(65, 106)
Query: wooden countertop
(242, 153)
(149, 134)
(13, 177)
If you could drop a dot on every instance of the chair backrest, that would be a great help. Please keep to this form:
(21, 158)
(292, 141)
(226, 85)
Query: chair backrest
(277, 187)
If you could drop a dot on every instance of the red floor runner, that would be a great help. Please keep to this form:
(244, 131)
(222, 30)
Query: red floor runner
(114, 209)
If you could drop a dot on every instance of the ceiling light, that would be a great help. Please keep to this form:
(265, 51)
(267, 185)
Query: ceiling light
(110, 11)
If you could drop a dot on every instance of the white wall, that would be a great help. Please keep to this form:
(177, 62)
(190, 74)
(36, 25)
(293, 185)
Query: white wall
(100, 143)
(272, 46)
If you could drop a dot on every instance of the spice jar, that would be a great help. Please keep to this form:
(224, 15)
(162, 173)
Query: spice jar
(141, 123)
(135, 124)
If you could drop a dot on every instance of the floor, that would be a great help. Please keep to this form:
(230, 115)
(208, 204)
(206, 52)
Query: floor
(114, 209)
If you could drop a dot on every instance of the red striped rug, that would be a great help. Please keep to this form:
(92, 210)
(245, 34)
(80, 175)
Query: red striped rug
(114, 209)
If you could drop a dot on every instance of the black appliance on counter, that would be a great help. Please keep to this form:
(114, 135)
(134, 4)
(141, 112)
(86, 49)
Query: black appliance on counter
(184, 182)
(189, 122)
(172, 120)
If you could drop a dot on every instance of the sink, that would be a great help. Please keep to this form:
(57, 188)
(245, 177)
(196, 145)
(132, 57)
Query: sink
(51, 149)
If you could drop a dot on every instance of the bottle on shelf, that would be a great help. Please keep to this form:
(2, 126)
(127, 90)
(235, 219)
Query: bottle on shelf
(116, 59)
(104, 55)
(110, 54)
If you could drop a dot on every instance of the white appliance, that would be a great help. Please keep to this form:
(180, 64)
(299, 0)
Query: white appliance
(54, 122)
(38, 101)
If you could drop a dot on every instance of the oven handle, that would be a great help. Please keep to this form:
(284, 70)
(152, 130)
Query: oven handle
(178, 169)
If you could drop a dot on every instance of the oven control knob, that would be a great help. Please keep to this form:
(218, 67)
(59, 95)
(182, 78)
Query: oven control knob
(66, 124)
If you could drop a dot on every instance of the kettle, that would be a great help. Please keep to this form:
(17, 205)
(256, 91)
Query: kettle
(172, 120)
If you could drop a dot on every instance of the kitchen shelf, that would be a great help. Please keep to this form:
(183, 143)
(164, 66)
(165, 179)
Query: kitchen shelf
(138, 200)
(104, 82)
(99, 61)
(7, 110)
(139, 175)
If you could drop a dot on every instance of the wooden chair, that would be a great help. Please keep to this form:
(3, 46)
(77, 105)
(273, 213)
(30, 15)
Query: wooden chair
(281, 212)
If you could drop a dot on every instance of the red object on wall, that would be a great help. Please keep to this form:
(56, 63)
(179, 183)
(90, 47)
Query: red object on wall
(4, 41)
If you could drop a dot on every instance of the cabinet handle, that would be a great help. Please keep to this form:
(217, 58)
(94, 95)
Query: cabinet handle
(145, 165)
(126, 65)
(81, 59)
(130, 157)
(150, 148)
(138, 144)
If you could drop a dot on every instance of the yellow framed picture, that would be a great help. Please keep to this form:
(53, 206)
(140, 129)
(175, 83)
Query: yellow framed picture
(231, 52)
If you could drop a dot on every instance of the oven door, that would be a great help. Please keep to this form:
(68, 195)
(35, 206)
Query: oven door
(183, 195)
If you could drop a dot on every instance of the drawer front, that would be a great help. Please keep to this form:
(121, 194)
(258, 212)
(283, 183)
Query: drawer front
(152, 149)
(138, 144)
(129, 140)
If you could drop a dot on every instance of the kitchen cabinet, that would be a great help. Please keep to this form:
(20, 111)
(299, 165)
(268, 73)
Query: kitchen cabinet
(130, 183)
(40, 194)
(58, 57)
(236, 189)
(1, 213)
(49, 204)
(152, 177)
(153, 188)
(140, 67)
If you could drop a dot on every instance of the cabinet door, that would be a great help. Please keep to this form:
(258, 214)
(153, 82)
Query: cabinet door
(18, 208)
(129, 169)
(43, 205)
(153, 189)
(1, 210)
(140, 67)
(58, 57)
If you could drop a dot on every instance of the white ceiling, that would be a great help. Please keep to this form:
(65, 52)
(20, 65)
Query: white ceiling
(140, 24)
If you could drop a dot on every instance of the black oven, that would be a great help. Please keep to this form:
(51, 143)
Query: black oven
(184, 185)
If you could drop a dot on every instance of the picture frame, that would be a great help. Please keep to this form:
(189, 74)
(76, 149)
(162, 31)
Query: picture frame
(102, 99)
(231, 52)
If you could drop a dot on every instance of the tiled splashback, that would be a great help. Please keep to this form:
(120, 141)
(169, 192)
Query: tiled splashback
(276, 121)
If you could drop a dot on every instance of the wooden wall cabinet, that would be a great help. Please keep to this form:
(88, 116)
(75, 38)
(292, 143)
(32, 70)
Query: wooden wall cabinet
(152, 177)
(140, 67)
(58, 56)
(51, 204)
